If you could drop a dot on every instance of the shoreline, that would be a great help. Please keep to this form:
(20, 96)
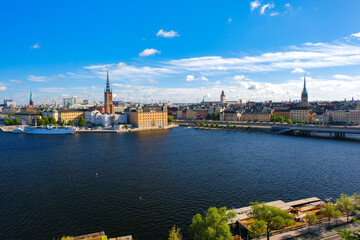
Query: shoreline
(8, 129)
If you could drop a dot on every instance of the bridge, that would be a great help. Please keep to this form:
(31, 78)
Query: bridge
(337, 132)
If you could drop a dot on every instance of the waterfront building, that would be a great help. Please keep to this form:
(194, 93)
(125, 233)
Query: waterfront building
(256, 116)
(73, 115)
(285, 112)
(31, 102)
(222, 98)
(230, 115)
(109, 105)
(50, 113)
(299, 114)
(9, 103)
(344, 116)
(304, 96)
(149, 116)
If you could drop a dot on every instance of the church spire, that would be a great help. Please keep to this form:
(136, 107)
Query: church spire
(107, 82)
(31, 102)
(304, 83)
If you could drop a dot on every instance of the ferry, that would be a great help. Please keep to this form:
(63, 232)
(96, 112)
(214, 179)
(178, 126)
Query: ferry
(50, 130)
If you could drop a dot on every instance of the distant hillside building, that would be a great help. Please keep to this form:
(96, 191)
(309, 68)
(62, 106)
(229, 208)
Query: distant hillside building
(304, 96)
(109, 105)
(222, 98)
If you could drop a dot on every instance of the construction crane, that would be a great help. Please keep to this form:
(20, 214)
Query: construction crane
(43, 98)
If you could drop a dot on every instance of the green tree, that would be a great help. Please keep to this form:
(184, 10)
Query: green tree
(228, 125)
(175, 234)
(52, 120)
(40, 122)
(38, 112)
(208, 117)
(70, 123)
(345, 204)
(234, 126)
(212, 125)
(311, 219)
(16, 121)
(126, 126)
(6, 122)
(349, 234)
(329, 211)
(281, 119)
(170, 119)
(337, 216)
(214, 116)
(212, 226)
(207, 125)
(272, 217)
(197, 124)
(202, 124)
(273, 118)
(257, 228)
(46, 121)
(82, 122)
(289, 121)
(217, 125)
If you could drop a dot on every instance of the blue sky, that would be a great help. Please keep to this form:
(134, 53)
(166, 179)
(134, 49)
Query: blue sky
(180, 51)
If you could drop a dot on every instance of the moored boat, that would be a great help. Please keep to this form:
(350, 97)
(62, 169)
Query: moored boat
(18, 130)
(50, 130)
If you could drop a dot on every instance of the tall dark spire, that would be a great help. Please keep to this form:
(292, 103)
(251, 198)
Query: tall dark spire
(108, 90)
(31, 102)
(304, 83)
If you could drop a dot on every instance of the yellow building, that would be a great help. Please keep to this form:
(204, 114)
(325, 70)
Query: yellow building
(259, 116)
(282, 112)
(67, 115)
(149, 116)
(299, 114)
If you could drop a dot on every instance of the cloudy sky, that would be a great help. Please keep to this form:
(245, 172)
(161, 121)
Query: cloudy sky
(180, 51)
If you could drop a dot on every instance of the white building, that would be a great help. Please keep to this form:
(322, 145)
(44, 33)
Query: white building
(50, 113)
(9, 103)
(105, 120)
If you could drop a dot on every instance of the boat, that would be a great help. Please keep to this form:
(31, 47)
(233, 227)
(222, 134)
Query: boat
(18, 130)
(50, 130)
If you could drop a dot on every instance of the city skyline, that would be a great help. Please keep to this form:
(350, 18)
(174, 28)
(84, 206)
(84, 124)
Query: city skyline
(253, 50)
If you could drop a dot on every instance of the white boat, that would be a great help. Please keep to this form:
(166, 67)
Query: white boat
(50, 130)
(18, 130)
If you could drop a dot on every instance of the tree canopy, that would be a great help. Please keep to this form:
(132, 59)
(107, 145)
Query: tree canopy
(82, 122)
(268, 218)
(212, 226)
(175, 234)
(345, 204)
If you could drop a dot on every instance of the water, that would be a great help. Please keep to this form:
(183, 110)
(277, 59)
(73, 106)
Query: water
(49, 187)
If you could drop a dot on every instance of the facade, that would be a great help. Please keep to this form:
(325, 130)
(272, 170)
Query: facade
(283, 112)
(344, 116)
(299, 114)
(257, 116)
(50, 113)
(109, 105)
(230, 116)
(304, 96)
(68, 115)
(222, 98)
(149, 116)
(9, 103)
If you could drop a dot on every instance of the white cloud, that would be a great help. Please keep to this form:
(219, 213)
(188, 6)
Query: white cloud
(287, 5)
(3, 87)
(202, 78)
(265, 6)
(52, 90)
(355, 35)
(255, 4)
(189, 78)
(240, 77)
(37, 78)
(148, 52)
(298, 70)
(229, 20)
(217, 82)
(35, 46)
(122, 85)
(346, 77)
(170, 34)
(15, 81)
(274, 14)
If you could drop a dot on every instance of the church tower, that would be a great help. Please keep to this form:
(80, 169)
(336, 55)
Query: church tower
(109, 106)
(31, 102)
(304, 96)
(222, 98)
